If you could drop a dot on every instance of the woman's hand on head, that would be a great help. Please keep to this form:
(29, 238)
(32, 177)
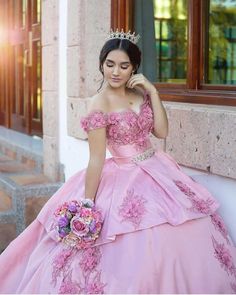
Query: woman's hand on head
(139, 80)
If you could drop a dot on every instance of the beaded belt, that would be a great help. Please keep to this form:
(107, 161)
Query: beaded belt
(143, 156)
(137, 158)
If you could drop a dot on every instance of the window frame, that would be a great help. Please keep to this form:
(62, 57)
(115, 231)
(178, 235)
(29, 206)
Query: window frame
(194, 90)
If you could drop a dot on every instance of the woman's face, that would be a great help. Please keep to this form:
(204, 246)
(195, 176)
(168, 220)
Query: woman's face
(117, 68)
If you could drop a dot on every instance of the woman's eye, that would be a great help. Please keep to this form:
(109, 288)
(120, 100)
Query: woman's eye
(109, 65)
(124, 68)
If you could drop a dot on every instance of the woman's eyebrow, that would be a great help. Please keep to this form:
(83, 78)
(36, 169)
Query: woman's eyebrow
(124, 62)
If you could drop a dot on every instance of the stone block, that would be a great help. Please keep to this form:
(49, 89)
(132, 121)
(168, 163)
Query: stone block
(33, 205)
(51, 159)
(76, 12)
(158, 144)
(84, 20)
(76, 72)
(203, 137)
(5, 201)
(4, 158)
(28, 162)
(76, 109)
(223, 142)
(103, 10)
(50, 68)
(7, 234)
(12, 167)
(10, 153)
(29, 179)
(50, 113)
(86, 36)
(50, 22)
(188, 139)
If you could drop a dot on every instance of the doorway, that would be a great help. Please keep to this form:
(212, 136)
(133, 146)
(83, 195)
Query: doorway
(21, 66)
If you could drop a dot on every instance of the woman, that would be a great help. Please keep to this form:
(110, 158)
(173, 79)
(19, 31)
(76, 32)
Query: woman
(161, 232)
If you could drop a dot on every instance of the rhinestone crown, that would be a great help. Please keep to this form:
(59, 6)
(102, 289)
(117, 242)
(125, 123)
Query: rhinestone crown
(122, 35)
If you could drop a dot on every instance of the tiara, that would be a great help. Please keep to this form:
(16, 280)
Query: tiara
(122, 35)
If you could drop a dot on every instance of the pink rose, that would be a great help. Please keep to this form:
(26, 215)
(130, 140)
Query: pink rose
(131, 118)
(143, 123)
(113, 118)
(84, 124)
(78, 227)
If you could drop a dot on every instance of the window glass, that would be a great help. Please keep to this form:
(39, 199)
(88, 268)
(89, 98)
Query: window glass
(24, 7)
(39, 11)
(170, 18)
(220, 43)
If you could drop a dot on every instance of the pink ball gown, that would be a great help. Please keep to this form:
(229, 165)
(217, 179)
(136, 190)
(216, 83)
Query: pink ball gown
(161, 230)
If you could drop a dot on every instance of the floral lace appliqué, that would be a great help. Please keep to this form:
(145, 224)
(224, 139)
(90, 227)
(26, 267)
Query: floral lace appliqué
(68, 286)
(128, 127)
(92, 283)
(223, 255)
(61, 264)
(220, 226)
(198, 204)
(233, 286)
(124, 127)
(133, 208)
(90, 279)
(96, 119)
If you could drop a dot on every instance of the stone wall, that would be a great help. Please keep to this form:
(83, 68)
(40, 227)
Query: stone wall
(203, 137)
(88, 26)
(50, 87)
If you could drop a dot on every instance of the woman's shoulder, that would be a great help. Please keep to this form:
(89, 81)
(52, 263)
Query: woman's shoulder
(96, 115)
(98, 103)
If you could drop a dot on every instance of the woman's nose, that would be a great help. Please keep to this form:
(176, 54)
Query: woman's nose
(116, 71)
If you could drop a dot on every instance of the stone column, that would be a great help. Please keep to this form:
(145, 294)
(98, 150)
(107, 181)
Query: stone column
(50, 70)
(88, 25)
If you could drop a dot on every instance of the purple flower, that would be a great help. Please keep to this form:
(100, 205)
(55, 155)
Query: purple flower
(63, 232)
(92, 226)
(72, 208)
(63, 221)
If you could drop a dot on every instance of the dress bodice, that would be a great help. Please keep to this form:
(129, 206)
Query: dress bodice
(127, 131)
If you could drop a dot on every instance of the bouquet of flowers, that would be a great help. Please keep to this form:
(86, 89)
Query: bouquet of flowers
(78, 223)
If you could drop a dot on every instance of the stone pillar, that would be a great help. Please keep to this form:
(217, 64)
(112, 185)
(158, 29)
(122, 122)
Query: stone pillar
(88, 26)
(50, 70)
